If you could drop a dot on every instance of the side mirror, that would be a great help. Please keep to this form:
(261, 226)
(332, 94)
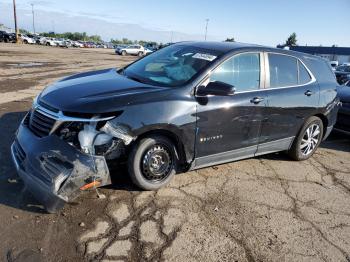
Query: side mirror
(216, 88)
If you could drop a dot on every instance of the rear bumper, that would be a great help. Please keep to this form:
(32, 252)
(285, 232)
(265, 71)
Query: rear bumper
(343, 119)
(54, 171)
(328, 132)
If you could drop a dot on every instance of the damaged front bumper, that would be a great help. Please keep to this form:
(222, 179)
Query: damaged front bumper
(54, 171)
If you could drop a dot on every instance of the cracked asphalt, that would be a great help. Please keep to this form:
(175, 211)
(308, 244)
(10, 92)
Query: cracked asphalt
(268, 208)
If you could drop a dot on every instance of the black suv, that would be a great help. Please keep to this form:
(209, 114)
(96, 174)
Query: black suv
(186, 106)
(342, 74)
(343, 119)
(7, 37)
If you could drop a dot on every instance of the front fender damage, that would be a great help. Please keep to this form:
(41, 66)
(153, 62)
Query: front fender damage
(120, 131)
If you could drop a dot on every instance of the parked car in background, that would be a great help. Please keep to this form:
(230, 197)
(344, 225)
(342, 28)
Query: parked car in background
(101, 45)
(117, 48)
(61, 42)
(342, 73)
(39, 40)
(184, 107)
(148, 51)
(138, 50)
(26, 39)
(343, 120)
(109, 45)
(7, 37)
(77, 44)
(48, 41)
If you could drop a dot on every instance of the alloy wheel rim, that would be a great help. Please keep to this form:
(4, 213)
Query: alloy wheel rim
(310, 139)
(157, 163)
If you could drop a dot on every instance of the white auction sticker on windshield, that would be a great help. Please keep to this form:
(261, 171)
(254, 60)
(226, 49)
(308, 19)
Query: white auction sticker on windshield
(207, 57)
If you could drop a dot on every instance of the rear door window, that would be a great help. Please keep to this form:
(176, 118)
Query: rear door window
(283, 70)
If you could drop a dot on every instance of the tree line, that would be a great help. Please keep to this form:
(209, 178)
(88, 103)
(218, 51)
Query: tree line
(76, 36)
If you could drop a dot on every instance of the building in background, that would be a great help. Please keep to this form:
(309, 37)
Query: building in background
(334, 53)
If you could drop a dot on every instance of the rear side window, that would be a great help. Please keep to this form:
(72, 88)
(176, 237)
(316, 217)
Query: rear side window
(241, 71)
(283, 70)
(304, 76)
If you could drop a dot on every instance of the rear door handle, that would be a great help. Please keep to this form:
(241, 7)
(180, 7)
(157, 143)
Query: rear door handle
(256, 100)
(308, 93)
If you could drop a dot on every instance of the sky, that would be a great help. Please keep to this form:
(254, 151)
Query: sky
(267, 22)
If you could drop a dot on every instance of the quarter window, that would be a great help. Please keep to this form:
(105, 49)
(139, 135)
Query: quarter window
(241, 71)
(283, 70)
(304, 76)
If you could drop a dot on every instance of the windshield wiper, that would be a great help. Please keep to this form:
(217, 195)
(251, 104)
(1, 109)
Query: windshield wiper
(135, 79)
(122, 72)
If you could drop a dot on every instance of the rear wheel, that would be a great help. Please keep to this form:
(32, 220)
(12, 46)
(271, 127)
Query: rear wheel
(153, 162)
(308, 140)
(140, 54)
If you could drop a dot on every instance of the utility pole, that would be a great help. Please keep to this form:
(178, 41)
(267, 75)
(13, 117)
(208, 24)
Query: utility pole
(33, 17)
(206, 29)
(172, 34)
(15, 16)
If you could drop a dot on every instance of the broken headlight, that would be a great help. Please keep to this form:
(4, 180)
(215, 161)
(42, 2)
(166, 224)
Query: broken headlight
(96, 138)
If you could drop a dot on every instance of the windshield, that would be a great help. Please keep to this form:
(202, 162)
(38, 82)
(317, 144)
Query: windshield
(171, 66)
(343, 68)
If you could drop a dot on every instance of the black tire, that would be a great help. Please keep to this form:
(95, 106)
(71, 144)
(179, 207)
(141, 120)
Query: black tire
(146, 154)
(25, 41)
(48, 44)
(123, 53)
(140, 54)
(305, 145)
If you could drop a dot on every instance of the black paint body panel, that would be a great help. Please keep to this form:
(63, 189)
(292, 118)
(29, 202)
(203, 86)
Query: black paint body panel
(210, 130)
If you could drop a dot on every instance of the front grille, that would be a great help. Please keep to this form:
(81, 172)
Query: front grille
(19, 152)
(41, 124)
(48, 107)
(26, 119)
(55, 166)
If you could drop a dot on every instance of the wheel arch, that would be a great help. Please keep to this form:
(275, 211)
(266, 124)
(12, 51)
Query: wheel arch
(324, 122)
(173, 137)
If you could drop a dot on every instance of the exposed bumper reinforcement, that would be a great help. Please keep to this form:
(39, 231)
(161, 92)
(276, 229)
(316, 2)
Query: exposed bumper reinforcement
(54, 171)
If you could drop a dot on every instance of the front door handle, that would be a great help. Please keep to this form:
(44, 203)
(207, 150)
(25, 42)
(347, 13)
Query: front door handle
(256, 100)
(308, 93)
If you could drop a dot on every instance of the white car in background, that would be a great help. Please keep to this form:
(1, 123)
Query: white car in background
(77, 44)
(148, 51)
(138, 50)
(26, 39)
(48, 41)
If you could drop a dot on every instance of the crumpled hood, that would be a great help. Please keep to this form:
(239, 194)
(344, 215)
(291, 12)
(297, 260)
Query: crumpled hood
(95, 92)
(344, 93)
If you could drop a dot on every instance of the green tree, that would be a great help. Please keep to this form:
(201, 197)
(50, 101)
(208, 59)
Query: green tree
(292, 40)
(232, 39)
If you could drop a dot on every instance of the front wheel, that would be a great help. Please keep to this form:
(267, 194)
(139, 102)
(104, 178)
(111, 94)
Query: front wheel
(152, 162)
(123, 53)
(140, 54)
(308, 140)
